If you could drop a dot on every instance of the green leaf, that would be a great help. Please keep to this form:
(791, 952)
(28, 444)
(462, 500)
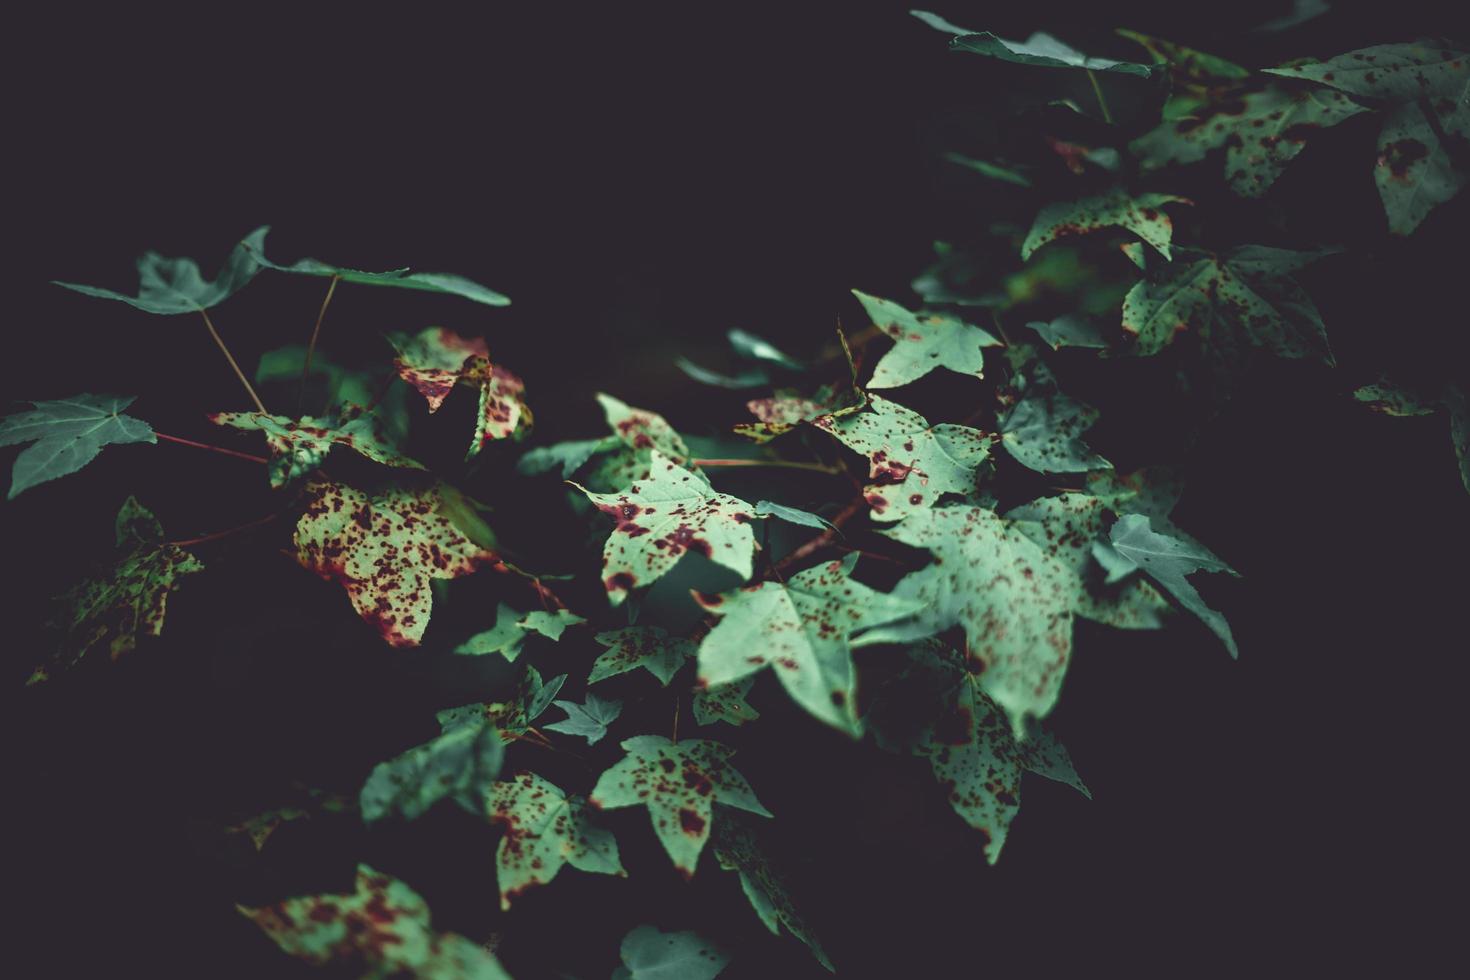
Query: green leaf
(384, 550)
(1069, 331)
(738, 849)
(1415, 172)
(504, 638)
(113, 609)
(1168, 560)
(649, 647)
(1391, 399)
(512, 717)
(431, 282)
(1042, 50)
(1043, 429)
(378, 931)
(649, 954)
(1394, 72)
(588, 720)
(544, 830)
(168, 286)
(939, 23)
(780, 414)
(433, 361)
(764, 508)
(661, 517)
(991, 170)
(800, 629)
(299, 446)
(1247, 293)
(568, 456)
(1013, 599)
(679, 782)
(550, 624)
(1186, 63)
(68, 434)
(1139, 214)
(1456, 403)
(724, 702)
(755, 348)
(460, 764)
(752, 378)
(922, 343)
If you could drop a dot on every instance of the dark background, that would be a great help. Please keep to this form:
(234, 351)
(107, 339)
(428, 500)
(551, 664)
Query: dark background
(638, 181)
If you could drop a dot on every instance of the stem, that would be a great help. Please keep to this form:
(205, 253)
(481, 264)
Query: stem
(822, 540)
(311, 344)
(205, 445)
(778, 463)
(223, 534)
(231, 358)
(1102, 103)
(675, 733)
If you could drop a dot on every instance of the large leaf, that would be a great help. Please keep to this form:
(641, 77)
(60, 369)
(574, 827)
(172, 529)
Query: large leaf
(649, 954)
(661, 517)
(112, 610)
(923, 342)
(168, 286)
(299, 446)
(1168, 560)
(544, 829)
(1043, 429)
(649, 647)
(679, 782)
(384, 550)
(799, 628)
(378, 931)
(432, 282)
(1140, 214)
(459, 764)
(737, 849)
(68, 434)
(1042, 50)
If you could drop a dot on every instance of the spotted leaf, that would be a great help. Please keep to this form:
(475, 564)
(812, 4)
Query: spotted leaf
(780, 414)
(168, 286)
(459, 764)
(923, 342)
(800, 629)
(549, 624)
(1043, 429)
(544, 829)
(725, 702)
(1394, 72)
(1141, 214)
(679, 782)
(384, 550)
(1415, 173)
(649, 647)
(430, 282)
(379, 930)
(737, 849)
(661, 517)
(649, 954)
(504, 638)
(1168, 560)
(68, 434)
(299, 446)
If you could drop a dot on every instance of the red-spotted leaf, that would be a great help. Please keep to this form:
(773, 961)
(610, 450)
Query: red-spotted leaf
(679, 782)
(381, 929)
(1141, 214)
(724, 702)
(738, 849)
(661, 517)
(384, 550)
(68, 434)
(923, 342)
(544, 830)
(649, 647)
(299, 446)
(1043, 429)
(433, 361)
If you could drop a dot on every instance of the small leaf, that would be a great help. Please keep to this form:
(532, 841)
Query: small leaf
(1141, 215)
(460, 764)
(1168, 560)
(432, 282)
(1043, 429)
(991, 170)
(68, 434)
(737, 849)
(780, 414)
(569, 456)
(1069, 331)
(588, 720)
(679, 782)
(512, 717)
(765, 508)
(299, 446)
(724, 702)
(753, 378)
(504, 638)
(544, 829)
(550, 624)
(168, 286)
(649, 647)
(1042, 50)
(923, 342)
(649, 954)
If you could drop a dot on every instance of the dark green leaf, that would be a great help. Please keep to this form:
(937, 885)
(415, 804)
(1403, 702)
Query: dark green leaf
(1043, 429)
(1168, 560)
(1140, 214)
(460, 764)
(992, 170)
(724, 702)
(169, 286)
(738, 849)
(649, 647)
(1069, 331)
(1042, 50)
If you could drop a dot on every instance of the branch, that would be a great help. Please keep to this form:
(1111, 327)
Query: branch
(311, 344)
(215, 449)
(776, 463)
(223, 534)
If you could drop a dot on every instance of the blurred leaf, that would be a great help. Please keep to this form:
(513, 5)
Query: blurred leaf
(168, 286)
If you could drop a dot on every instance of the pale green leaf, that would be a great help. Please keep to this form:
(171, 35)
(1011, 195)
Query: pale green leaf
(1141, 214)
(755, 348)
(505, 638)
(764, 508)
(649, 647)
(168, 286)
(68, 434)
(550, 624)
(923, 342)
(1168, 560)
(649, 954)
(544, 829)
(1069, 330)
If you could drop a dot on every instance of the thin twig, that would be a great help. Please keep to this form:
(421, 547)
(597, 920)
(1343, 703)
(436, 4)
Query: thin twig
(675, 733)
(223, 534)
(1102, 103)
(259, 405)
(788, 464)
(311, 344)
(205, 445)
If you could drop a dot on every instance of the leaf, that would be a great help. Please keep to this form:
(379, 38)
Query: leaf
(128, 601)
(724, 702)
(1069, 331)
(1247, 293)
(1391, 399)
(992, 170)
(1455, 403)
(168, 286)
(649, 954)
(568, 456)
(737, 849)
(380, 930)
(764, 508)
(588, 720)
(550, 624)
(1042, 50)
(459, 764)
(1115, 208)
(504, 638)
(800, 629)
(939, 23)
(922, 343)
(512, 717)
(679, 782)
(1186, 64)
(780, 414)
(544, 830)
(1168, 560)
(433, 361)
(68, 434)
(661, 517)
(432, 282)
(649, 647)
(1301, 12)
(299, 446)
(752, 378)
(1414, 172)
(1043, 429)
(1395, 72)
(1261, 128)
(1014, 601)
(755, 348)
(384, 550)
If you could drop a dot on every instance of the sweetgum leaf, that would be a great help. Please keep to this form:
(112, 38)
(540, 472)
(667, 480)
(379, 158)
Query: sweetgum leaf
(384, 550)
(1042, 50)
(112, 610)
(649, 954)
(566, 456)
(764, 508)
(679, 782)
(780, 414)
(1140, 214)
(923, 342)
(800, 629)
(433, 361)
(68, 434)
(1069, 331)
(1168, 560)
(1414, 171)
(649, 647)
(588, 720)
(511, 718)
(378, 931)
(299, 446)
(738, 849)
(504, 638)
(168, 286)
(724, 702)
(460, 764)
(432, 282)
(1043, 429)
(664, 515)
(544, 830)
